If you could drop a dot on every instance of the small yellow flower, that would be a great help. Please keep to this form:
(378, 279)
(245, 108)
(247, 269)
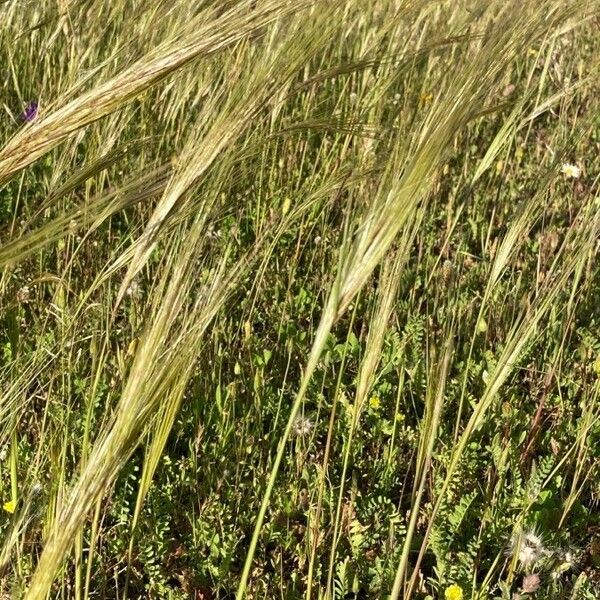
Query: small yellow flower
(426, 97)
(454, 592)
(570, 171)
(400, 417)
(10, 506)
(519, 153)
(374, 402)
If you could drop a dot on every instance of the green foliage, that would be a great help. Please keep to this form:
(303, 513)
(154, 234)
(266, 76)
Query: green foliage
(299, 300)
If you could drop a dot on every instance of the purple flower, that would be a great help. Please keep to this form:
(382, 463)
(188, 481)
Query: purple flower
(30, 112)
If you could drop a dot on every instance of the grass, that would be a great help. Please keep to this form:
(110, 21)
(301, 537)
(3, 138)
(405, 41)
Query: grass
(299, 300)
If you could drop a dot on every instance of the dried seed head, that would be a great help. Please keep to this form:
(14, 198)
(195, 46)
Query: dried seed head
(447, 271)
(23, 295)
(302, 426)
(528, 547)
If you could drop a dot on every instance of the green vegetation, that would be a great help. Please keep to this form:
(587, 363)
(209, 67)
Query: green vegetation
(299, 299)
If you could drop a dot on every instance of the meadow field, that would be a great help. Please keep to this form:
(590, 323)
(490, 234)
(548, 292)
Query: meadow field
(299, 299)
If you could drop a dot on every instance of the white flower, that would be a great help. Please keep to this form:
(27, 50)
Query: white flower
(570, 559)
(36, 489)
(133, 289)
(570, 171)
(3, 453)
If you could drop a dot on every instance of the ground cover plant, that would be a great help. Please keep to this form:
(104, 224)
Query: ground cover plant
(299, 299)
